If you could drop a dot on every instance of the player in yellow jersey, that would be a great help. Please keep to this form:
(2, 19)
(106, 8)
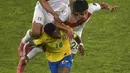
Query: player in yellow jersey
(58, 51)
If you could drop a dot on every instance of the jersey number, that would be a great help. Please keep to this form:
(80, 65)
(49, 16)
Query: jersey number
(59, 45)
(74, 45)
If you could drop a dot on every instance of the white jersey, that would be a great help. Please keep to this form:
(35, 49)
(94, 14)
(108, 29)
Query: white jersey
(59, 6)
(64, 16)
(92, 8)
(57, 2)
(78, 29)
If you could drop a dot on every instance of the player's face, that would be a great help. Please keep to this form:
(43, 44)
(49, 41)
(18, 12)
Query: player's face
(56, 34)
(81, 15)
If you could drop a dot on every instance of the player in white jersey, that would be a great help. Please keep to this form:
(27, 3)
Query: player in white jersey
(42, 8)
(80, 17)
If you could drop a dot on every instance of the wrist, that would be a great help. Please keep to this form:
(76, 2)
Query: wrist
(54, 14)
(68, 27)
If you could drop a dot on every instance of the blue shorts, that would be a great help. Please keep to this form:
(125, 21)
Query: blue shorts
(65, 62)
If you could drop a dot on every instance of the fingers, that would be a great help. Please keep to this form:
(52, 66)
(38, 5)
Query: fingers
(81, 50)
(70, 34)
(114, 8)
(82, 53)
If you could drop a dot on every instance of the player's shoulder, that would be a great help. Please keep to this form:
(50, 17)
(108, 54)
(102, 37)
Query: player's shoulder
(44, 36)
(64, 35)
(94, 7)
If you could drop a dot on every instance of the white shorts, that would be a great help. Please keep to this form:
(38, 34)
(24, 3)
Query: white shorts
(39, 14)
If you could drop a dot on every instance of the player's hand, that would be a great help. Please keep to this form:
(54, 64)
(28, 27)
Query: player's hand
(25, 60)
(113, 8)
(70, 34)
(81, 49)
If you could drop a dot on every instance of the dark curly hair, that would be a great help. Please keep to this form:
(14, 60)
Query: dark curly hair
(80, 5)
(49, 28)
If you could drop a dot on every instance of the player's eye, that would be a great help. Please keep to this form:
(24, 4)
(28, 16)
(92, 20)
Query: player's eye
(81, 14)
(76, 14)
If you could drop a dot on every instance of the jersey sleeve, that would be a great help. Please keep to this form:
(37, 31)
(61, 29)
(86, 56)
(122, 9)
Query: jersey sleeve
(40, 41)
(94, 7)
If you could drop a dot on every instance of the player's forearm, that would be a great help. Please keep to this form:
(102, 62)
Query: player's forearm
(46, 6)
(62, 26)
(78, 39)
(81, 45)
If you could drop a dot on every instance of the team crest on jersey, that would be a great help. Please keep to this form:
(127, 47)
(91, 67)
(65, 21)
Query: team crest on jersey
(40, 18)
(58, 40)
(59, 43)
(64, 37)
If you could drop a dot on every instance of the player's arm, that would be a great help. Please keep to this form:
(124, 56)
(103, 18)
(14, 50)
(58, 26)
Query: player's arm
(73, 24)
(96, 7)
(48, 8)
(81, 46)
(106, 6)
(66, 28)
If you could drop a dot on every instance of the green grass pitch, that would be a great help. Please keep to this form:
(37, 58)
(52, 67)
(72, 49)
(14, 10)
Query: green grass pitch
(106, 39)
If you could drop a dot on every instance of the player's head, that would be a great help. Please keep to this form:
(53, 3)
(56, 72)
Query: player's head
(80, 8)
(51, 30)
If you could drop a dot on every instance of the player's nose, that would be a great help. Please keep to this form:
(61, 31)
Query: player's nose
(84, 16)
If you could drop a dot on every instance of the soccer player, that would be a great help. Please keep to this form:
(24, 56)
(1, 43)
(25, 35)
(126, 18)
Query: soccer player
(58, 51)
(82, 12)
(42, 8)
(80, 17)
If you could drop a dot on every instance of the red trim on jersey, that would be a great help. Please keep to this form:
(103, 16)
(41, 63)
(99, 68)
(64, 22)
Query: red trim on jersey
(80, 22)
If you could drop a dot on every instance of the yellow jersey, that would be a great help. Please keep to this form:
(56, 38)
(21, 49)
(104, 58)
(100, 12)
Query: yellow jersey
(56, 49)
